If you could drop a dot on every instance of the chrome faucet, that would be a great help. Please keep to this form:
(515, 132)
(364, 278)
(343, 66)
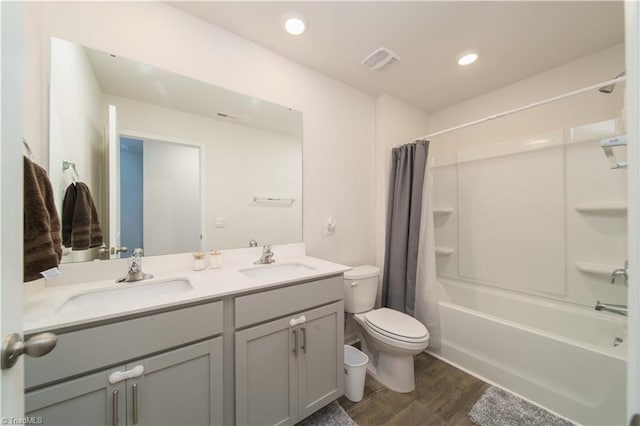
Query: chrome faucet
(621, 272)
(253, 243)
(135, 268)
(616, 309)
(267, 256)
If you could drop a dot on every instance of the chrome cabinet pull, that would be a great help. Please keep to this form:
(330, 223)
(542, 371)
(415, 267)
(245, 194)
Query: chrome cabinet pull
(304, 339)
(295, 341)
(134, 398)
(114, 408)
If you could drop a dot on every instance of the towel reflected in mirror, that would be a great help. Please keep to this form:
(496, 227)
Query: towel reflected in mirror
(80, 224)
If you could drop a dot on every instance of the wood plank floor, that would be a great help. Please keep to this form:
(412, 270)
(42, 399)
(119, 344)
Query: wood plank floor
(443, 396)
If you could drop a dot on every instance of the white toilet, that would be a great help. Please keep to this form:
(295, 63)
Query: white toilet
(390, 338)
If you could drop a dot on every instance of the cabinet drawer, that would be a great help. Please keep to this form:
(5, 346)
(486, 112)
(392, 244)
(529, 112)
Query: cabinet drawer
(97, 347)
(270, 304)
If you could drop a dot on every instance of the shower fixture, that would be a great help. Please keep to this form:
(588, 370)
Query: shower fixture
(609, 89)
(608, 145)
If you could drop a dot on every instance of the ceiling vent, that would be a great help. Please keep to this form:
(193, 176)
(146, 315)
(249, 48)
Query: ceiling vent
(379, 58)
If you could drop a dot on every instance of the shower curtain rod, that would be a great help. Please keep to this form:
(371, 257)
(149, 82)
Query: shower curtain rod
(522, 108)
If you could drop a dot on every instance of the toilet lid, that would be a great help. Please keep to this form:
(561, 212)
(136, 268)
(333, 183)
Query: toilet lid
(396, 323)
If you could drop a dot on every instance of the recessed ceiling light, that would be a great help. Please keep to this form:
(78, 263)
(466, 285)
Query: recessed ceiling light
(295, 25)
(467, 58)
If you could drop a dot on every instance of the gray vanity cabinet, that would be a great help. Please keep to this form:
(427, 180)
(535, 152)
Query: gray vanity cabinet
(88, 400)
(178, 387)
(286, 370)
(266, 377)
(321, 359)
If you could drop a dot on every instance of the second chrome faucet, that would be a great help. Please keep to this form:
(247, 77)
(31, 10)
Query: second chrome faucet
(135, 268)
(267, 256)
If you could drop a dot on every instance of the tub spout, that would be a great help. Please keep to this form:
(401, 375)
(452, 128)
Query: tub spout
(616, 309)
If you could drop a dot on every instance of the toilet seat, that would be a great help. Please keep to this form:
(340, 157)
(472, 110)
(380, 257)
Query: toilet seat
(396, 325)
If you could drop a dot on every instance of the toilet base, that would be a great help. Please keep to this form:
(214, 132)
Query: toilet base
(393, 371)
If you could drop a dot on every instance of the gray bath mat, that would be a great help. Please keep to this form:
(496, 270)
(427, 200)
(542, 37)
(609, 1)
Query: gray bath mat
(331, 415)
(497, 407)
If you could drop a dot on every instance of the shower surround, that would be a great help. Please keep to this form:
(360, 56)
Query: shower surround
(527, 233)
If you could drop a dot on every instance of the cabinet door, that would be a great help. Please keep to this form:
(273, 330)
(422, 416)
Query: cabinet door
(266, 378)
(86, 401)
(180, 387)
(321, 360)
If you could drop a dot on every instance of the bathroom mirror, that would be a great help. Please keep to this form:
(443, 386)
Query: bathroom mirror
(173, 164)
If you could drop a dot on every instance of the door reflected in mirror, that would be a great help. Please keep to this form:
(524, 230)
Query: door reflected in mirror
(173, 164)
(159, 190)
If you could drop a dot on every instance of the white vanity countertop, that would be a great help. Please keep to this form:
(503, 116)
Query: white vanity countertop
(42, 303)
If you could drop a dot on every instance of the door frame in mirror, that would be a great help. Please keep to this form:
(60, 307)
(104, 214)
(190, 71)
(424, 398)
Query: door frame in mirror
(203, 169)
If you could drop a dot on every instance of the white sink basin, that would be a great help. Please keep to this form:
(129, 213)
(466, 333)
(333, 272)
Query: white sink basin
(125, 295)
(276, 271)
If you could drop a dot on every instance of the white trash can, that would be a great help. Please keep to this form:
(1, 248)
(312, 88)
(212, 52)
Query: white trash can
(355, 371)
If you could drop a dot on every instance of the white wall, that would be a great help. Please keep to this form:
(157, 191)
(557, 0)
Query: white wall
(271, 167)
(240, 162)
(76, 118)
(339, 129)
(77, 128)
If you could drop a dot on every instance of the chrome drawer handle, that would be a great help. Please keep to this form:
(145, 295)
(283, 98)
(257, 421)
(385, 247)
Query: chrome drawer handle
(134, 397)
(295, 341)
(114, 408)
(304, 339)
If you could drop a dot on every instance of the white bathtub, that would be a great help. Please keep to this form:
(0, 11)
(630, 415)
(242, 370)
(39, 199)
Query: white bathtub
(558, 356)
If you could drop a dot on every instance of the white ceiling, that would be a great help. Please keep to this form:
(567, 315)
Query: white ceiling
(515, 39)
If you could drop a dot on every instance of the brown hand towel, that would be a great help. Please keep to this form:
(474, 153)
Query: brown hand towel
(42, 249)
(80, 225)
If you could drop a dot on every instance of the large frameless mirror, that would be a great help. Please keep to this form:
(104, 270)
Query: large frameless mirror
(172, 164)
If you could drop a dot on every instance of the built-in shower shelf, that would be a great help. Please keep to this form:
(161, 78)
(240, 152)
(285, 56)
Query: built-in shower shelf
(602, 208)
(442, 211)
(595, 268)
(444, 251)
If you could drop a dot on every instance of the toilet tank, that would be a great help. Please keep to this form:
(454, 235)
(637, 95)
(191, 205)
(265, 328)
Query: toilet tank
(360, 288)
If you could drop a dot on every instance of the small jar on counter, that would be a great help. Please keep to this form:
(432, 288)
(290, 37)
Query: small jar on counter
(198, 261)
(216, 259)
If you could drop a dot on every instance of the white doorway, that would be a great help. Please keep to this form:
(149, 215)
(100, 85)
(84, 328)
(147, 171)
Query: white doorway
(161, 187)
(11, 198)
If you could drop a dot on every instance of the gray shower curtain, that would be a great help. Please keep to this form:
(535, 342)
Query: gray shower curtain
(404, 206)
